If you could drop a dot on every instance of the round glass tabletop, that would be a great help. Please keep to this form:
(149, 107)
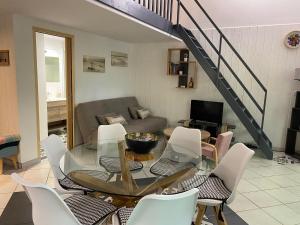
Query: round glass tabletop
(112, 169)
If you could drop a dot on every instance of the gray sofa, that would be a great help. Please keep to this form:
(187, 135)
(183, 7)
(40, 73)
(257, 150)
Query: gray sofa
(87, 124)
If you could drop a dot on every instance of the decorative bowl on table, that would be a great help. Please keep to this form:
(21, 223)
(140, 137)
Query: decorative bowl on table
(141, 143)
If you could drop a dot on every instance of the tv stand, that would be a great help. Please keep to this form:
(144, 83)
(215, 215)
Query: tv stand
(213, 128)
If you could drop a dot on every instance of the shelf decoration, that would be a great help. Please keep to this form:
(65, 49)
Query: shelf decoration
(292, 40)
(4, 57)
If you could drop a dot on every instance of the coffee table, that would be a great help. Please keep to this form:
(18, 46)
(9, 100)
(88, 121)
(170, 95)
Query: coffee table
(205, 135)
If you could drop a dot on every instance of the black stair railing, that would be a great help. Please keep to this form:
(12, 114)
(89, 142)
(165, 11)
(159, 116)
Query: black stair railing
(164, 8)
(218, 51)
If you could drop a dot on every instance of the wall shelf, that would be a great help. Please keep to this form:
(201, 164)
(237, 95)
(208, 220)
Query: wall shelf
(179, 64)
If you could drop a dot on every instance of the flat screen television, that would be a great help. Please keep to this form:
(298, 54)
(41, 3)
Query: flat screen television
(207, 111)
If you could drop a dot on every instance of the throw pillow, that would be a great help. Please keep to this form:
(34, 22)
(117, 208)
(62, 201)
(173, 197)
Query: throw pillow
(116, 119)
(102, 118)
(143, 113)
(133, 111)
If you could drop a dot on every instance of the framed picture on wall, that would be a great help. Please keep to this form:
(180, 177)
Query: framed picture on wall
(93, 64)
(4, 57)
(119, 59)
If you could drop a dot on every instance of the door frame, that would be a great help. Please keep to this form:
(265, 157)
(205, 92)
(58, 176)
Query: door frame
(70, 88)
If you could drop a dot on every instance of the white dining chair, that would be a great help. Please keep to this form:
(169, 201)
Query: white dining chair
(55, 149)
(48, 208)
(185, 141)
(114, 133)
(220, 186)
(111, 133)
(176, 209)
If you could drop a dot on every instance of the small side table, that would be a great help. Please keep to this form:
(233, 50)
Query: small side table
(205, 135)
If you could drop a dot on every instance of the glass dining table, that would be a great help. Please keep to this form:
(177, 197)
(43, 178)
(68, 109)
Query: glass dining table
(113, 170)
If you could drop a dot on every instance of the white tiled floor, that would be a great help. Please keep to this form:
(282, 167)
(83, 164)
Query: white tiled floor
(268, 194)
(274, 191)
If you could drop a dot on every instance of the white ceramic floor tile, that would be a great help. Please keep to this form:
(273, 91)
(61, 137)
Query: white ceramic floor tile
(51, 175)
(51, 182)
(7, 186)
(44, 164)
(262, 199)
(248, 174)
(295, 177)
(295, 190)
(257, 217)
(295, 167)
(283, 214)
(272, 171)
(5, 178)
(245, 186)
(4, 198)
(295, 207)
(19, 188)
(38, 176)
(241, 203)
(283, 181)
(263, 183)
(283, 195)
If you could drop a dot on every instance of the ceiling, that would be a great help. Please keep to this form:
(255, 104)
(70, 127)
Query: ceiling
(236, 13)
(83, 15)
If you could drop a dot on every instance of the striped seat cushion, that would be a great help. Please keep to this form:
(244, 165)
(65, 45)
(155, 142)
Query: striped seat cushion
(124, 214)
(112, 165)
(67, 183)
(88, 210)
(167, 167)
(210, 187)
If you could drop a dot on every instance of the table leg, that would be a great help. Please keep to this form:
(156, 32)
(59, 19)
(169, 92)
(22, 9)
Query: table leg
(200, 214)
(126, 175)
(1, 166)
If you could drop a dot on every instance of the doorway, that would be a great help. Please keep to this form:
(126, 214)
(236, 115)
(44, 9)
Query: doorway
(54, 81)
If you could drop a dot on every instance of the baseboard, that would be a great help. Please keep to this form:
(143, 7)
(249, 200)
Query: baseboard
(30, 163)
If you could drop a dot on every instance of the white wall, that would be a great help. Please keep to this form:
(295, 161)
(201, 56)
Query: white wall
(158, 92)
(8, 90)
(262, 47)
(115, 82)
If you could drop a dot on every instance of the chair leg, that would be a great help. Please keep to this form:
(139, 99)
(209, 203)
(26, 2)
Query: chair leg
(216, 157)
(220, 215)
(1, 166)
(201, 211)
(14, 159)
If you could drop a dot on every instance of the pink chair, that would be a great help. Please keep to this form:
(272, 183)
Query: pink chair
(217, 151)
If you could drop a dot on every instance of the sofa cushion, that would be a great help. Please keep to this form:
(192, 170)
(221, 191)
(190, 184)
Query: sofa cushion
(143, 113)
(149, 124)
(133, 111)
(102, 118)
(116, 119)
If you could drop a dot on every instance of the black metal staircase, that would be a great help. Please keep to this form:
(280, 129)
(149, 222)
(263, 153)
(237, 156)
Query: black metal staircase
(165, 9)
